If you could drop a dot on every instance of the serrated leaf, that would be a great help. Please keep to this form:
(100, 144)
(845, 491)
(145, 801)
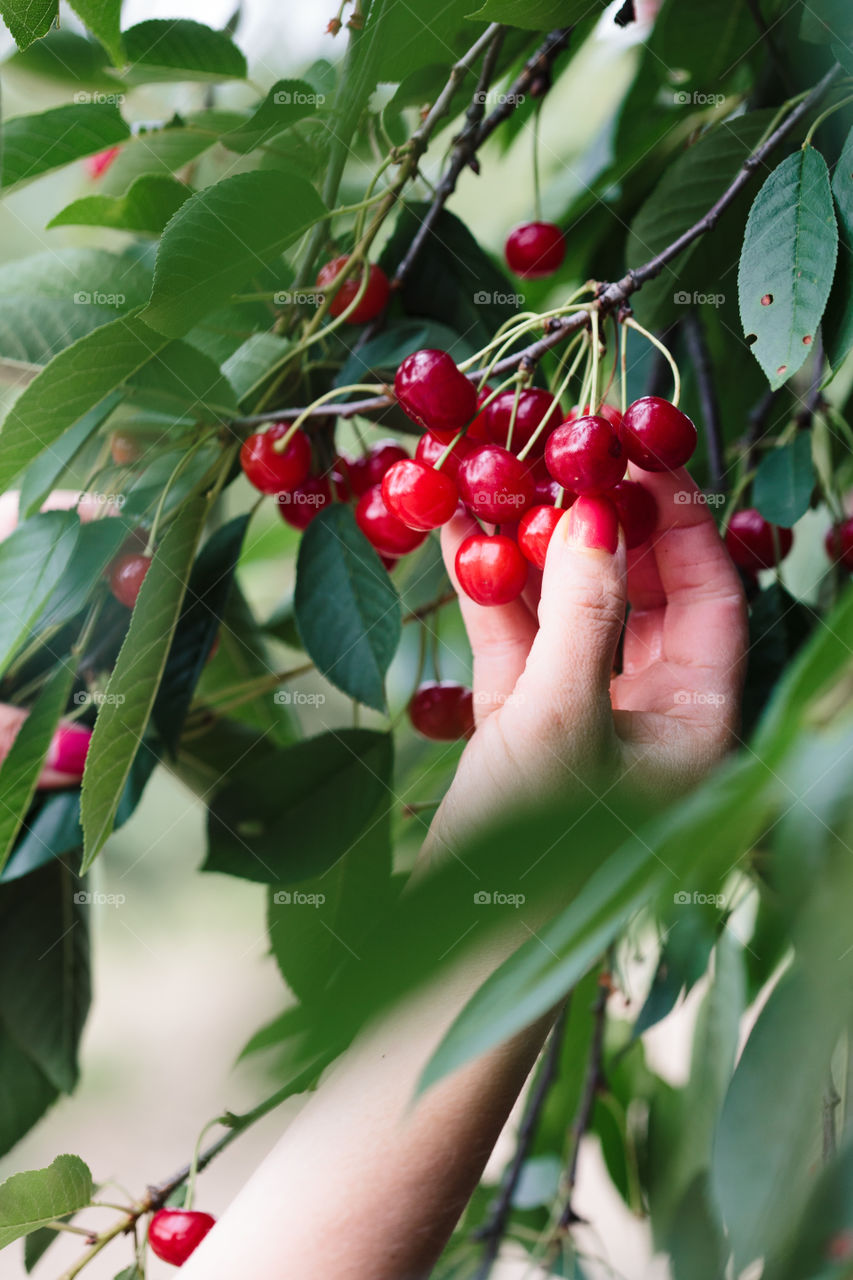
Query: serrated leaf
(180, 49)
(98, 542)
(166, 148)
(253, 362)
(147, 206)
(219, 238)
(28, 19)
(287, 102)
(29, 1200)
(293, 814)
(103, 19)
(784, 481)
(20, 770)
(67, 57)
(35, 329)
(74, 381)
(125, 278)
(130, 694)
(347, 608)
(838, 321)
(534, 15)
(180, 380)
(787, 263)
(33, 145)
(33, 560)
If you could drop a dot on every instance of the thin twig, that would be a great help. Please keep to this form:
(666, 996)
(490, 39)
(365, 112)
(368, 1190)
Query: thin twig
(700, 356)
(831, 1100)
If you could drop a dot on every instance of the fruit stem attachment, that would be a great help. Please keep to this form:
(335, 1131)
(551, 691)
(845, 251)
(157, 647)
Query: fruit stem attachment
(824, 115)
(631, 323)
(580, 341)
(310, 410)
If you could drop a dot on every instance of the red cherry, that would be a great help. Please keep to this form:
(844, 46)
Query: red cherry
(433, 393)
(839, 543)
(608, 411)
(637, 511)
(491, 570)
(535, 249)
(98, 164)
(299, 507)
(585, 456)
(656, 436)
(430, 449)
(174, 1234)
(126, 574)
(533, 405)
(494, 484)
(273, 472)
(373, 300)
(420, 496)
(478, 429)
(534, 532)
(381, 527)
(751, 540)
(362, 473)
(442, 710)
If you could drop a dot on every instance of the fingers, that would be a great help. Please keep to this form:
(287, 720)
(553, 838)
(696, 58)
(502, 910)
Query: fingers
(66, 755)
(500, 636)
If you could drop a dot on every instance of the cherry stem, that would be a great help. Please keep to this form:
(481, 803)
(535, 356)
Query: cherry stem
(537, 189)
(512, 417)
(622, 339)
(280, 445)
(593, 391)
(631, 323)
(579, 342)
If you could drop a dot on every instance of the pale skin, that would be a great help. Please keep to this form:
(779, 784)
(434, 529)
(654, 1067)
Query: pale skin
(364, 1184)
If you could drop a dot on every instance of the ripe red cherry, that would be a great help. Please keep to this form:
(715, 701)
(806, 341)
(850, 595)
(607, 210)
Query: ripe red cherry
(299, 507)
(839, 543)
(174, 1234)
(98, 164)
(491, 570)
(533, 405)
(430, 449)
(637, 511)
(433, 393)
(534, 532)
(656, 436)
(362, 473)
(585, 455)
(126, 574)
(382, 528)
(608, 411)
(373, 300)
(494, 484)
(273, 472)
(442, 710)
(751, 540)
(535, 249)
(418, 495)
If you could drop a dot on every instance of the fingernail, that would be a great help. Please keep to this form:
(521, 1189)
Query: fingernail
(593, 523)
(67, 751)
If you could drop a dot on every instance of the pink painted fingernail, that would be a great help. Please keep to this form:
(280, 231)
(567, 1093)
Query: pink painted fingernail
(68, 749)
(593, 523)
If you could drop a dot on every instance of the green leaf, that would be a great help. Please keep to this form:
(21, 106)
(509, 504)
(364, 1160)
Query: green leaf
(33, 145)
(29, 19)
(219, 238)
(823, 21)
(66, 57)
(294, 814)
(286, 102)
(161, 47)
(711, 43)
(42, 474)
(166, 148)
(147, 206)
(180, 380)
(787, 263)
(103, 19)
(25, 1092)
(779, 625)
(378, 358)
(253, 362)
(535, 15)
(838, 321)
(347, 608)
(69, 386)
(785, 481)
(44, 962)
(29, 1200)
(21, 768)
(33, 561)
(35, 329)
(98, 542)
(133, 685)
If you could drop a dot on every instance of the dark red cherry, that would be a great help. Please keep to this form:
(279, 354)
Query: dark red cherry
(174, 1234)
(373, 300)
(494, 484)
(751, 541)
(534, 532)
(637, 511)
(126, 574)
(382, 528)
(269, 470)
(656, 436)
(299, 507)
(839, 543)
(442, 711)
(608, 411)
(533, 405)
(491, 570)
(535, 249)
(433, 393)
(584, 455)
(368, 470)
(430, 450)
(478, 429)
(418, 495)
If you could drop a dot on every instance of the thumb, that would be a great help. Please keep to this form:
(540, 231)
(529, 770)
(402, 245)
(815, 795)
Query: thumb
(581, 613)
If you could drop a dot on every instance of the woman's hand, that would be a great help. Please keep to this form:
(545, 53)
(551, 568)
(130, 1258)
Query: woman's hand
(549, 710)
